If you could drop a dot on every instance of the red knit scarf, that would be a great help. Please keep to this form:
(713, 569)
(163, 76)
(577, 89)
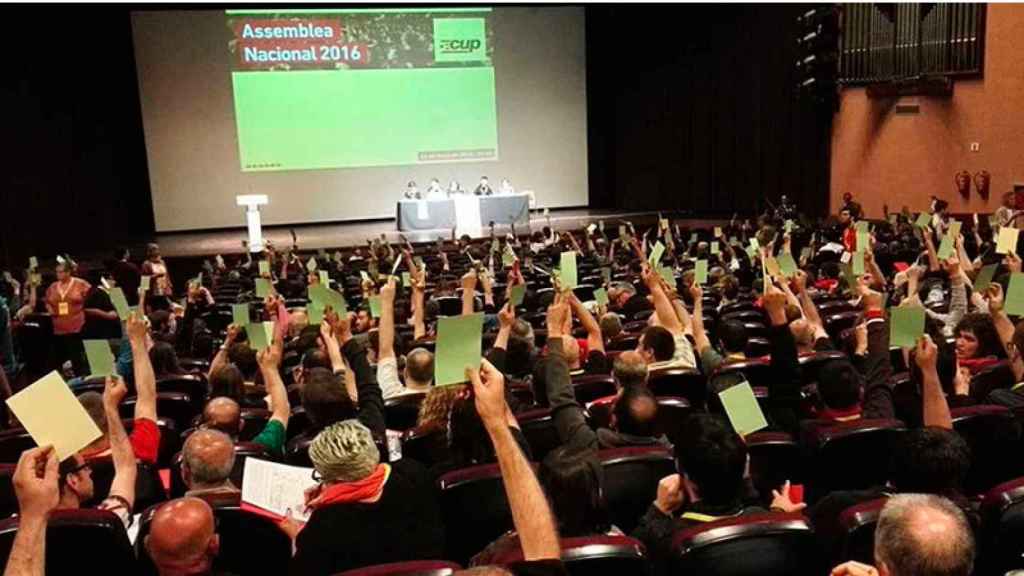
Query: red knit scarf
(975, 365)
(358, 491)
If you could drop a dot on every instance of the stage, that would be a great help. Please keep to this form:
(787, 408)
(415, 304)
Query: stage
(339, 234)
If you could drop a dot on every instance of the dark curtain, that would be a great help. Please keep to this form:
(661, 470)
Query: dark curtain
(74, 178)
(693, 108)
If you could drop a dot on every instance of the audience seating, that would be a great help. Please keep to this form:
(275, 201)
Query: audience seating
(243, 450)
(401, 412)
(811, 364)
(587, 555)
(81, 541)
(192, 385)
(631, 477)
(170, 439)
(250, 544)
(414, 568)
(755, 545)
(833, 452)
(428, 447)
(1001, 545)
(623, 342)
(685, 382)
(149, 489)
(539, 429)
(757, 347)
(774, 459)
(858, 525)
(175, 406)
(992, 433)
(474, 510)
(757, 372)
(12, 443)
(593, 386)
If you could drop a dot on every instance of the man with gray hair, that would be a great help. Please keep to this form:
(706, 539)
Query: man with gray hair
(630, 369)
(624, 299)
(419, 364)
(918, 535)
(207, 460)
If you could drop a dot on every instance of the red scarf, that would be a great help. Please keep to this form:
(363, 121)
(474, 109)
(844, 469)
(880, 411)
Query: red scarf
(357, 491)
(975, 365)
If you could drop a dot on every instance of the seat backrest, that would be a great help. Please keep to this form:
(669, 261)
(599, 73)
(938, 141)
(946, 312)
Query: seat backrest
(539, 429)
(631, 477)
(685, 382)
(756, 371)
(243, 450)
(193, 385)
(992, 432)
(592, 386)
(84, 541)
(672, 414)
(401, 412)
(175, 406)
(1002, 519)
(811, 364)
(835, 452)
(249, 543)
(858, 531)
(623, 342)
(413, 568)
(170, 439)
(474, 509)
(13, 443)
(585, 555)
(758, 545)
(428, 447)
(8, 499)
(253, 422)
(774, 459)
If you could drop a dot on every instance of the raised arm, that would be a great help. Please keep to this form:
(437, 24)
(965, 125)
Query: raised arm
(145, 379)
(570, 423)
(662, 305)
(469, 292)
(1004, 327)
(125, 470)
(807, 305)
(35, 484)
(878, 402)
(270, 362)
(386, 327)
(221, 358)
(700, 336)
(531, 514)
(929, 244)
(371, 400)
(595, 341)
(936, 410)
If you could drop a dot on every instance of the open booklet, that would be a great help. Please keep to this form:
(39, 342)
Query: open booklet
(271, 489)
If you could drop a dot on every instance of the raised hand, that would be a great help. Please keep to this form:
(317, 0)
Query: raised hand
(488, 393)
(35, 482)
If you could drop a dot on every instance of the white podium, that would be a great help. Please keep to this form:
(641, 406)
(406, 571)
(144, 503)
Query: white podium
(252, 203)
(467, 215)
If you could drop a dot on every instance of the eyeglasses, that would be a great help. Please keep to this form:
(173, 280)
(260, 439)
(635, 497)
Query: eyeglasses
(317, 477)
(80, 467)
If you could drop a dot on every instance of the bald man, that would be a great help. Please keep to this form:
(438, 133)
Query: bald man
(630, 369)
(918, 534)
(207, 460)
(182, 538)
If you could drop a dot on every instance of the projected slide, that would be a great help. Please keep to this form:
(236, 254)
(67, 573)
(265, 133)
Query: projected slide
(319, 89)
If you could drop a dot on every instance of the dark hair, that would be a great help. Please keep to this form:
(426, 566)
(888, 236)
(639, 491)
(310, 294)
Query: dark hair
(984, 330)
(733, 335)
(839, 385)
(325, 398)
(467, 437)
(713, 457)
(636, 411)
(164, 360)
(244, 357)
(316, 358)
(930, 460)
(227, 381)
(572, 480)
(660, 342)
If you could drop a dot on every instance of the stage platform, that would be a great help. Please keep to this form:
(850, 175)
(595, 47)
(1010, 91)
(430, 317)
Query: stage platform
(338, 234)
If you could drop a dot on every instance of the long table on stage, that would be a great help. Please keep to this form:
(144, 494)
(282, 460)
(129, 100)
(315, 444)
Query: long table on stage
(464, 212)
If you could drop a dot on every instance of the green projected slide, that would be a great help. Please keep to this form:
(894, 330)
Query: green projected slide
(318, 89)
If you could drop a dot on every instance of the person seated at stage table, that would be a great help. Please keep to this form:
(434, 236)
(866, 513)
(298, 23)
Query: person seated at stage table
(483, 188)
(434, 190)
(506, 187)
(411, 191)
(454, 187)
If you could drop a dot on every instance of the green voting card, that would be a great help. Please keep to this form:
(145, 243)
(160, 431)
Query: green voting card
(516, 294)
(693, 237)
(700, 272)
(144, 282)
(264, 268)
(742, 409)
(1014, 302)
(325, 277)
(924, 220)
(100, 358)
(714, 247)
(954, 229)
(863, 241)
(906, 325)
(315, 312)
(336, 301)
(945, 247)
(567, 269)
(655, 255)
(601, 296)
(458, 347)
(240, 314)
(857, 265)
(375, 306)
(263, 288)
(120, 303)
(861, 227)
(788, 226)
(984, 279)
(668, 275)
(718, 231)
(261, 335)
(406, 279)
(33, 262)
(1007, 241)
(508, 257)
(787, 265)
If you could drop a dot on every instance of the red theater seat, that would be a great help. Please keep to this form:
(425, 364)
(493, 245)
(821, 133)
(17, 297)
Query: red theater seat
(757, 545)
(631, 477)
(592, 386)
(474, 509)
(685, 382)
(836, 451)
(992, 432)
(588, 555)
(401, 412)
(858, 537)
(414, 568)
(84, 541)
(1002, 539)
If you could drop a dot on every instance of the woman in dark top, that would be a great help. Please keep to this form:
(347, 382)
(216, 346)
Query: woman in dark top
(164, 360)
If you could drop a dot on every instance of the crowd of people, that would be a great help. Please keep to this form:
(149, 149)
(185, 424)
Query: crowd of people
(642, 307)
